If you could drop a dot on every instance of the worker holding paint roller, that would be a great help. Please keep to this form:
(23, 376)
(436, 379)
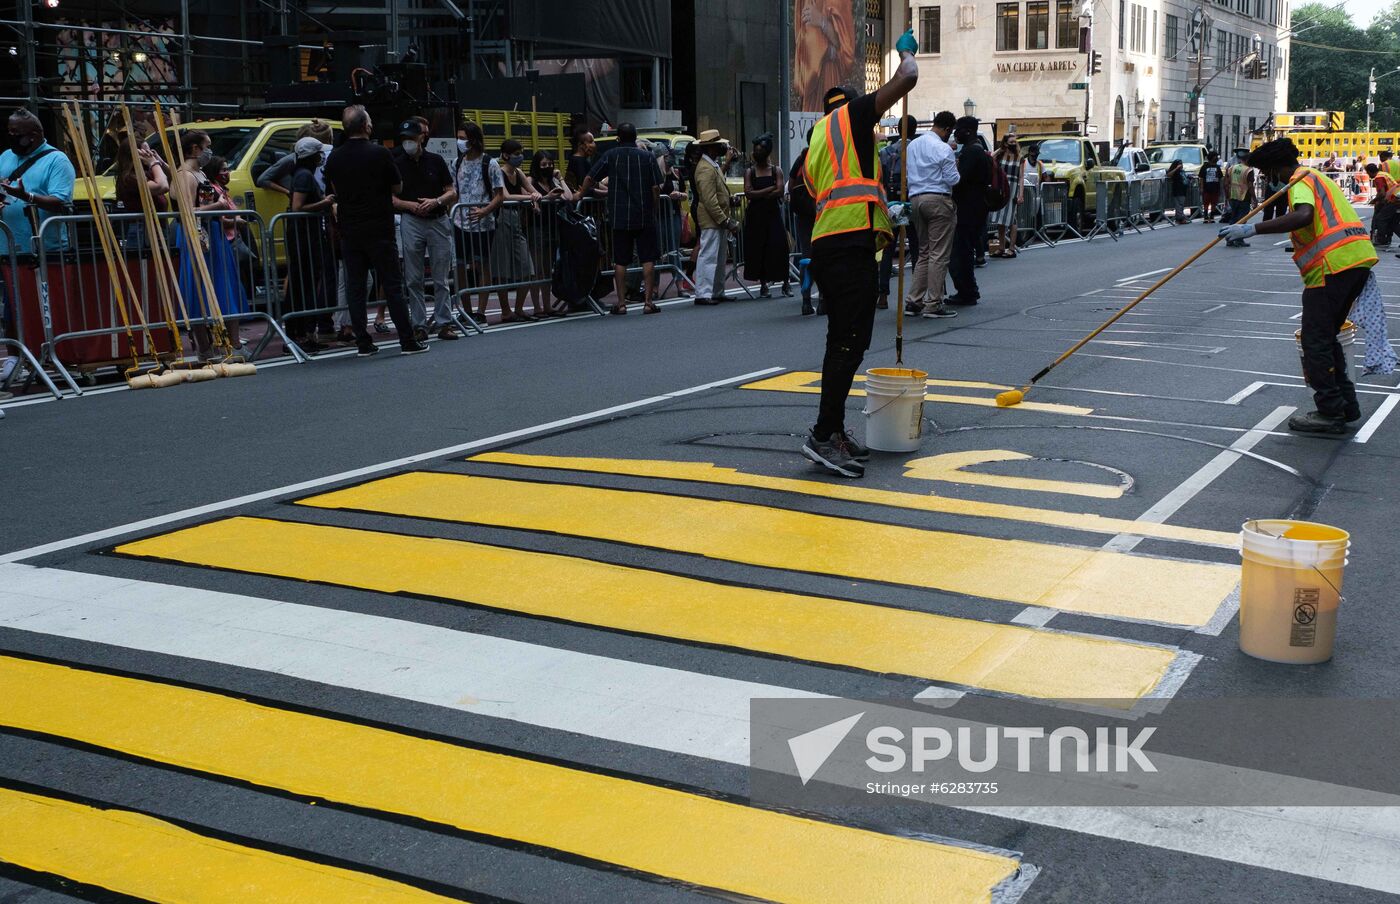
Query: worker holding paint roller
(1334, 255)
(853, 223)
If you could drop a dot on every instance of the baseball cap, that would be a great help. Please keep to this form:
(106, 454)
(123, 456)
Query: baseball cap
(835, 98)
(411, 127)
(308, 146)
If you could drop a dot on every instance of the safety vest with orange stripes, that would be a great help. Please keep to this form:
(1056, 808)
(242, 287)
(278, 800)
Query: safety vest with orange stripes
(846, 200)
(1337, 240)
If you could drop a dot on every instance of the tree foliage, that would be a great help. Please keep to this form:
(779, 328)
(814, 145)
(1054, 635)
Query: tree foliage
(1334, 77)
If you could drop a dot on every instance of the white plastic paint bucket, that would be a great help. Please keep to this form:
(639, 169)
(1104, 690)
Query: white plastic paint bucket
(1290, 589)
(894, 408)
(1346, 336)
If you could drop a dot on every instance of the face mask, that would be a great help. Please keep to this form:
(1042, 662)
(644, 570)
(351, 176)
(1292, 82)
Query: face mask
(461, 145)
(205, 156)
(223, 178)
(546, 171)
(516, 159)
(410, 148)
(23, 145)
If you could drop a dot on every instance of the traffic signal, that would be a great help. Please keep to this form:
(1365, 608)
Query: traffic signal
(1259, 69)
(1095, 62)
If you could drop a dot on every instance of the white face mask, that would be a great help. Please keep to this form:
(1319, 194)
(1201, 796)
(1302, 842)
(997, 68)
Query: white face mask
(461, 145)
(410, 148)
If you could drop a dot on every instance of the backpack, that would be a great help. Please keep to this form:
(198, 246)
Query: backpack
(577, 257)
(998, 193)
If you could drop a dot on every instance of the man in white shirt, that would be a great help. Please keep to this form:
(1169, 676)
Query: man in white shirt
(933, 171)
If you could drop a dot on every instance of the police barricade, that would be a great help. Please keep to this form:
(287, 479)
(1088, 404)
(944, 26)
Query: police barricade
(77, 313)
(307, 273)
(1147, 202)
(1112, 209)
(1027, 219)
(21, 363)
(519, 254)
(1055, 213)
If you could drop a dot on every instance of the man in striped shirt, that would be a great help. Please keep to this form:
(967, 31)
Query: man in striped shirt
(634, 183)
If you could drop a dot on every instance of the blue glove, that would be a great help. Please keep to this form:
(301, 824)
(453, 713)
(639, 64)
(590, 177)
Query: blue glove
(907, 43)
(1237, 232)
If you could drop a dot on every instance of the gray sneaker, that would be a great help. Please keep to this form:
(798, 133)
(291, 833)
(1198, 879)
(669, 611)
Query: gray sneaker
(833, 454)
(859, 451)
(939, 310)
(913, 309)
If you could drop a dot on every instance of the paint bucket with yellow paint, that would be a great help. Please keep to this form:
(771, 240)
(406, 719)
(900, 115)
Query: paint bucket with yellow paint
(894, 408)
(1290, 588)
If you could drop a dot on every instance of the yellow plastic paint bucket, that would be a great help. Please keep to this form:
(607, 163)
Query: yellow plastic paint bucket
(894, 408)
(1290, 589)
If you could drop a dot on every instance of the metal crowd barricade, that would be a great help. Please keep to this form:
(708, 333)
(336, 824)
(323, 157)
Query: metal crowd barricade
(1054, 213)
(1028, 214)
(77, 313)
(27, 365)
(1112, 209)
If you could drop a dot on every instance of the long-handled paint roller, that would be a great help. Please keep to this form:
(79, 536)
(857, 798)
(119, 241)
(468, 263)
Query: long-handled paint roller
(119, 277)
(904, 197)
(1015, 396)
(167, 284)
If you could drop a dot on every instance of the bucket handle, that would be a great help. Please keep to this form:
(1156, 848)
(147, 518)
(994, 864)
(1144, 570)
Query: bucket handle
(892, 400)
(1340, 598)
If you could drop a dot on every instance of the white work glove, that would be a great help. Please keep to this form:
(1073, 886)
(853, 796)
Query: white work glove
(1236, 232)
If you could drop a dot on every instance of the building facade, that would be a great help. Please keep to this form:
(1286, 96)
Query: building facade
(1020, 63)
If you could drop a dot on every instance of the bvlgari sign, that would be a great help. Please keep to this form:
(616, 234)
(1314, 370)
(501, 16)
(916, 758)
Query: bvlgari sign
(1039, 66)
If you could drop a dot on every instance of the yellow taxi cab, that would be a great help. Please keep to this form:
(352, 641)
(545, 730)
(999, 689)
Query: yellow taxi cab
(249, 145)
(1074, 160)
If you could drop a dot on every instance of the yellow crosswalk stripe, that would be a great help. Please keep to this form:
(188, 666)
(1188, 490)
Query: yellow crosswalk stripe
(144, 857)
(704, 472)
(809, 382)
(1007, 658)
(1074, 579)
(665, 832)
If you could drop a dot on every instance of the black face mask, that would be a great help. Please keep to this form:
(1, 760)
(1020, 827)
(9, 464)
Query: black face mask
(24, 143)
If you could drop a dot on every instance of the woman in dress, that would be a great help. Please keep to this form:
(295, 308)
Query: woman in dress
(1008, 157)
(225, 256)
(510, 251)
(191, 191)
(765, 239)
(548, 183)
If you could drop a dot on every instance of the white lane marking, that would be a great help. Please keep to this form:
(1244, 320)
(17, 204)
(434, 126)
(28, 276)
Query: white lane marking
(644, 705)
(1169, 504)
(1212, 310)
(616, 699)
(1034, 616)
(1245, 393)
(1374, 422)
(1297, 316)
(201, 510)
(1128, 279)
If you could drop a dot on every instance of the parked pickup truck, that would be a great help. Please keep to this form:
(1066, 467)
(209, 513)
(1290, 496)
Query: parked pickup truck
(1074, 160)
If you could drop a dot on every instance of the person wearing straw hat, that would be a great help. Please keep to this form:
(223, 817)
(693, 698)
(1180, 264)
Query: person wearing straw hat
(713, 217)
(853, 224)
(1334, 256)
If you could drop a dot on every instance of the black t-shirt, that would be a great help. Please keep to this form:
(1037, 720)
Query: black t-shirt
(304, 181)
(864, 117)
(362, 176)
(425, 177)
(577, 170)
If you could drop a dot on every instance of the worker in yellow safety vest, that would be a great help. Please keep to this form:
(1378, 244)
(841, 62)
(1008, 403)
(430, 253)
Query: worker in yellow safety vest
(1239, 186)
(842, 173)
(1334, 255)
(1392, 166)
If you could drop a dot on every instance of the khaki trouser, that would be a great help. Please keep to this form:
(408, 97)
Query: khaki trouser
(933, 217)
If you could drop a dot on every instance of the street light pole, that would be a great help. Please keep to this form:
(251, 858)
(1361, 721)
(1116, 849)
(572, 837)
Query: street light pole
(1086, 16)
(1371, 92)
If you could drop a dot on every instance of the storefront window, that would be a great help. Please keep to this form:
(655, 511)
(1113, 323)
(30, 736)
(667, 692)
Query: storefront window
(1066, 24)
(1008, 26)
(1037, 25)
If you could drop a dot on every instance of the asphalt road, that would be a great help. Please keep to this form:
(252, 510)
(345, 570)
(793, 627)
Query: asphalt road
(526, 677)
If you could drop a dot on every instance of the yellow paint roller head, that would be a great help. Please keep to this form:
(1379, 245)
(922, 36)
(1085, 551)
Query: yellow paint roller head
(1009, 398)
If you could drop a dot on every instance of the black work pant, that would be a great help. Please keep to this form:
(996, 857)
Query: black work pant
(378, 252)
(1383, 223)
(1325, 365)
(968, 232)
(847, 280)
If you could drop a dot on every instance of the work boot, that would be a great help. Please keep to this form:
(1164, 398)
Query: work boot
(807, 309)
(1353, 412)
(834, 454)
(1317, 422)
(882, 302)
